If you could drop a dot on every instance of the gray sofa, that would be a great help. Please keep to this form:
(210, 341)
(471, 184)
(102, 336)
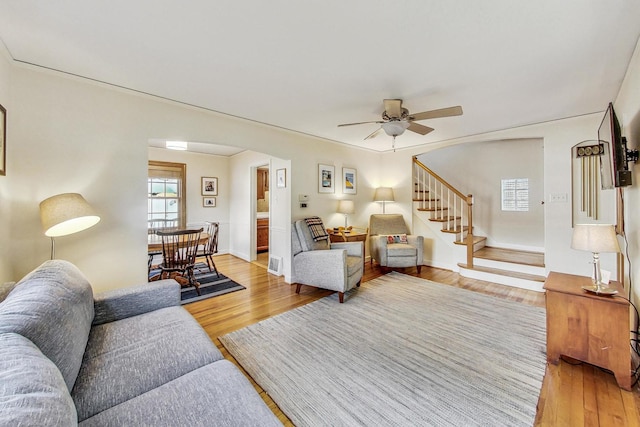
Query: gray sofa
(129, 357)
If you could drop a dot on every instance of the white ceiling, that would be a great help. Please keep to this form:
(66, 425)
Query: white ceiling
(311, 65)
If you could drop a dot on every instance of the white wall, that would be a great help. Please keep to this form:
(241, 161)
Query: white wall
(627, 107)
(5, 211)
(70, 135)
(66, 134)
(558, 136)
(478, 169)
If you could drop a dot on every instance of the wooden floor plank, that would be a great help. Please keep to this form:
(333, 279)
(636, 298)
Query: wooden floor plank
(570, 395)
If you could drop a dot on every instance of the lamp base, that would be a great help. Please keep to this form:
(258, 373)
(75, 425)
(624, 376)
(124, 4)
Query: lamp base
(600, 290)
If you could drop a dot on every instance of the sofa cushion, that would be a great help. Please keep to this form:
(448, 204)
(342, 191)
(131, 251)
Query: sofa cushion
(32, 389)
(216, 394)
(53, 307)
(134, 355)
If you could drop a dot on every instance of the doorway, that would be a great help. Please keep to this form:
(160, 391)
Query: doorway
(262, 215)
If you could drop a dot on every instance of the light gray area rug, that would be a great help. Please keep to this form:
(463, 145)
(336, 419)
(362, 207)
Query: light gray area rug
(401, 351)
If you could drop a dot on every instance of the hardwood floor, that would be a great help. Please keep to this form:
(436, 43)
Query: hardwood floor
(572, 394)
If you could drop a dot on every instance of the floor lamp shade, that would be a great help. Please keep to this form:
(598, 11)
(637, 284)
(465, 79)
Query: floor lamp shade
(384, 195)
(66, 214)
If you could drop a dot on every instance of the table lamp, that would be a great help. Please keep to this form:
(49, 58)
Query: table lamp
(383, 194)
(346, 207)
(66, 214)
(596, 238)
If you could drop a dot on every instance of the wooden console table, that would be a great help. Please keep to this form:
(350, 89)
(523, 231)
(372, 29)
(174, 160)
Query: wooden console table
(348, 237)
(588, 327)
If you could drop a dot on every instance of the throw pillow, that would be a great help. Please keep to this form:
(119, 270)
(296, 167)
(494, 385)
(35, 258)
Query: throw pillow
(397, 238)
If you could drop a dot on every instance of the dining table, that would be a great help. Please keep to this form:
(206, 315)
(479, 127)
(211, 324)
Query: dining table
(155, 242)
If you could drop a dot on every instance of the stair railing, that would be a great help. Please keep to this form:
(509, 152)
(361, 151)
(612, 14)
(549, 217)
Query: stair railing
(445, 201)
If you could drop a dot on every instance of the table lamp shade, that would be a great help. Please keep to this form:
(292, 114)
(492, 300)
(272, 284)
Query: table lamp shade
(595, 238)
(383, 194)
(346, 207)
(66, 214)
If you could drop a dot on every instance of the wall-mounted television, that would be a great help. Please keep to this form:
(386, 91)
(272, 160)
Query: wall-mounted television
(615, 162)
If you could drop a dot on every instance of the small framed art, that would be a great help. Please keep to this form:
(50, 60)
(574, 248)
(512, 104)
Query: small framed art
(281, 178)
(349, 183)
(326, 178)
(209, 202)
(209, 186)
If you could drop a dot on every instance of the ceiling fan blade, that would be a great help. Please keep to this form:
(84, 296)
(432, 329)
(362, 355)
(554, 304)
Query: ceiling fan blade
(359, 123)
(418, 128)
(373, 134)
(434, 114)
(393, 107)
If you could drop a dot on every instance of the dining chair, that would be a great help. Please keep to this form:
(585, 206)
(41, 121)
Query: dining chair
(159, 224)
(211, 247)
(179, 248)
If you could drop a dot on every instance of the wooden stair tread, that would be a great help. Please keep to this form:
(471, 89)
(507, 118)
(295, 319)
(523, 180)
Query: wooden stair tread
(444, 219)
(514, 274)
(476, 239)
(426, 200)
(432, 209)
(513, 256)
(456, 230)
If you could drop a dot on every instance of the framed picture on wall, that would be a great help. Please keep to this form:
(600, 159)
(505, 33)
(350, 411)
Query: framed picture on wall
(209, 202)
(3, 141)
(349, 181)
(326, 178)
(281, 178)
(209, 186)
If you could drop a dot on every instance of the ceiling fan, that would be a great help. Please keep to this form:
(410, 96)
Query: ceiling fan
(396, 119)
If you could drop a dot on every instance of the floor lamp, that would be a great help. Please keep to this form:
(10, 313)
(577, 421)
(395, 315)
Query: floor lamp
(65, 214)
(383, 194)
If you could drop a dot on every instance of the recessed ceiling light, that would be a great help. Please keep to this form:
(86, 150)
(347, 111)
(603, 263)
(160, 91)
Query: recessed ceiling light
(176, 145)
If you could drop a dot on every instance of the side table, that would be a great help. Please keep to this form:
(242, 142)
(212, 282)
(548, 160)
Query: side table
(588, 327)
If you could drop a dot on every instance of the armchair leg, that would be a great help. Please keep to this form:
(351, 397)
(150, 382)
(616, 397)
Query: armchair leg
(341, 297)
(298, 286)
(419, 268)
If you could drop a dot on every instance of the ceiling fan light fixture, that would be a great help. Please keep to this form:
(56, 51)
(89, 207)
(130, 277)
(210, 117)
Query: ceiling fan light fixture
(395, 128)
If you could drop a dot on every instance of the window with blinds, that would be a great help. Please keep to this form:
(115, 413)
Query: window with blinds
(166, 188)
(515, 194)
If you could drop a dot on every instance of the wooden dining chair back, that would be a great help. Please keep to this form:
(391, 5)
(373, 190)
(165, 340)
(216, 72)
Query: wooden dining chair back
(159, 224)
(179, 249)
(211, 247)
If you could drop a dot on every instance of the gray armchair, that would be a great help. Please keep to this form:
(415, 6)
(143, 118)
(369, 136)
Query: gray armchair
(394, 254)
(334, 266)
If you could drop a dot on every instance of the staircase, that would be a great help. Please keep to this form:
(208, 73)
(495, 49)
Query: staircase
(440, 203)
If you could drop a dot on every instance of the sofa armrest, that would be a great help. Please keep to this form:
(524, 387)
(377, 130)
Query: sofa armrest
(353, 248)
(134, 300)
